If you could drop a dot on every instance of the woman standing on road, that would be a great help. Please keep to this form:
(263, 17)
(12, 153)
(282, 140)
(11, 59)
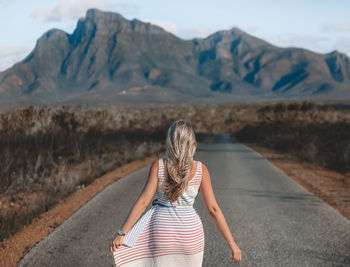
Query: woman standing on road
(171, 232)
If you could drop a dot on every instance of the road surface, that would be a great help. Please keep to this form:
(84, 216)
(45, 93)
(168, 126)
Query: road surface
(274, 220)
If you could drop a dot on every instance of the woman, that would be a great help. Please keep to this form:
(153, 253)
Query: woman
(171, 232)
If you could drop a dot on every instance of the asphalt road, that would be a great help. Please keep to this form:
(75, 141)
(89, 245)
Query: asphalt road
(274, 220)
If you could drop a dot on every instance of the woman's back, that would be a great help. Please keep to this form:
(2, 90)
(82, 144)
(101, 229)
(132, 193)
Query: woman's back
(188, 196)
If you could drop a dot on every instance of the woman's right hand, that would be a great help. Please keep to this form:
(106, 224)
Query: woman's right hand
(117, 242)
(236, 253)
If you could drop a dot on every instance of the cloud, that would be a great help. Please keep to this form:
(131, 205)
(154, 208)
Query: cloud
(332, 27)
(74, 9)
(10, 55)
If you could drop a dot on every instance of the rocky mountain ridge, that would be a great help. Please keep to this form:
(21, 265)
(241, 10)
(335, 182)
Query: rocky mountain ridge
(109, 58)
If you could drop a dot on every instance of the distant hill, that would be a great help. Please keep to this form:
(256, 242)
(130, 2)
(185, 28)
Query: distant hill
(111, 59)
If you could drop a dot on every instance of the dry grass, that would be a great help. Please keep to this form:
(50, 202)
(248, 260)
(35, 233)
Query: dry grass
(324, 141)
(44, 163)
(48, 153)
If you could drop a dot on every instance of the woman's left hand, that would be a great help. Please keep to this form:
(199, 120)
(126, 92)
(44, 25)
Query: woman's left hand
(117, 242)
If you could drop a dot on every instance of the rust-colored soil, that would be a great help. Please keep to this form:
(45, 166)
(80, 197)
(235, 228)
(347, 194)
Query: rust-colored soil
(330, 186)
(16, 246)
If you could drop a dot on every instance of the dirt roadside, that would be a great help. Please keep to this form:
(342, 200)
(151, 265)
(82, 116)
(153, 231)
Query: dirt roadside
(330, 186)
(17, 245)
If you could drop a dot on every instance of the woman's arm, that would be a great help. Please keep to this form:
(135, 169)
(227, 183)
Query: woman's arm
(215, 212)
(140, 205)
(144, 198)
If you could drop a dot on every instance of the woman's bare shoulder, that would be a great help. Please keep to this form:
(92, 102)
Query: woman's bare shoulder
(155, 164)
(204, 167)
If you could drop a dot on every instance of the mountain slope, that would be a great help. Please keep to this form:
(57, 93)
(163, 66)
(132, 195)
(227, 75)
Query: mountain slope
(227, 56)
(108, 57)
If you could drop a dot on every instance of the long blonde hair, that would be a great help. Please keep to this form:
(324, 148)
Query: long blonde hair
(180, 148)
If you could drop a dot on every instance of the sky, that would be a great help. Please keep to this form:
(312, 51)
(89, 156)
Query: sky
(318, 25)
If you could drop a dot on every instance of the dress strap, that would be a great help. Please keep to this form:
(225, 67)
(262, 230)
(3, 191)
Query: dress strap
(200, 170)
(160, 167)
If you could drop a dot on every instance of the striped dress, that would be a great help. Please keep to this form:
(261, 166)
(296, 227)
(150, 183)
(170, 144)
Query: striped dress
(170, 234)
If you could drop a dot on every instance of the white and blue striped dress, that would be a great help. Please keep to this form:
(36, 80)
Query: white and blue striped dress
(170, 234)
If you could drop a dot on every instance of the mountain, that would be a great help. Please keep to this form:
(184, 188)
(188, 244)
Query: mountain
(109, 58)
